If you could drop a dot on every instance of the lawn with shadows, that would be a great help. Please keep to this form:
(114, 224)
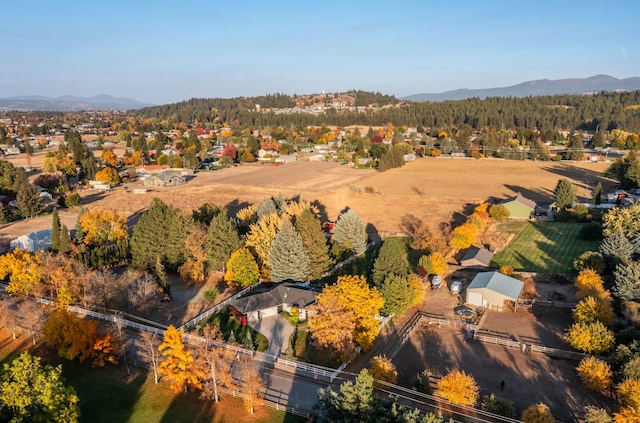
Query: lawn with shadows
(543, 247)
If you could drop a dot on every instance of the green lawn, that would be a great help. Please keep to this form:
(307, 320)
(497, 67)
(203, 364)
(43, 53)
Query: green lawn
(545, 247)
(109, 395)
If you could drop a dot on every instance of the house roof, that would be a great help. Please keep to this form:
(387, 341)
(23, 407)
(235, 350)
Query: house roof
(286, 293)
(497, 282)
(481, 255)
(520, 199)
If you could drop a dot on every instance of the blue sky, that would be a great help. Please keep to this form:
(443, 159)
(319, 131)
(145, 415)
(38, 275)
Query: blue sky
(167, 51)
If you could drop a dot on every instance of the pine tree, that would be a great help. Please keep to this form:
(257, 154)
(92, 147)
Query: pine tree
(627, 281)
(565, 194)
(79, 235)
(397, 293)
(65, 241)
(288, 258)
(597, 194)
(160, 232)
(28, 201)
(266, 207)
(392, 260)
(222, 240)
(616, 248)
(349, 232)
(315, 243)
(55, 231)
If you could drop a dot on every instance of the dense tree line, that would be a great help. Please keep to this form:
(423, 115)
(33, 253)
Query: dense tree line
(604, 111)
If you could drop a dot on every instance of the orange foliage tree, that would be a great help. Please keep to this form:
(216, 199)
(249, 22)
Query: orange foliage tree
(383, 369)
(179, 364)
(344, 315)
(459, 388)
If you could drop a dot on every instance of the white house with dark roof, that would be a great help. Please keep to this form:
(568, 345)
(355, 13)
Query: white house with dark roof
(283, 297)
(490, 290)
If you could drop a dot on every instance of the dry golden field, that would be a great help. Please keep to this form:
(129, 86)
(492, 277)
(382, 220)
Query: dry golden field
(435, 189)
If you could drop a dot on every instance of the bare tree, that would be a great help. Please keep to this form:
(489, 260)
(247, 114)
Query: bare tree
(9, 315)
(216, 362)
(32, 316)
(147, 344)
(252, 385)
(143, 294)
(123, 344)
(102, 288)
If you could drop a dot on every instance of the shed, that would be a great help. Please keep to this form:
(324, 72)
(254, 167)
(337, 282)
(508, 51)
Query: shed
(519, 207)
(283, 297)
(477, 258)
(491, 290)
(35, 241)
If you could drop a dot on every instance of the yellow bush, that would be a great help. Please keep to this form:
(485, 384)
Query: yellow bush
(459, 388)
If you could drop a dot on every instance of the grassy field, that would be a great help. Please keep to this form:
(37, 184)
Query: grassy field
(545, 247)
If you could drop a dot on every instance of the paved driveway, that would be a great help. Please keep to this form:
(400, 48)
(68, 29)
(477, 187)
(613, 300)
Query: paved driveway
(278, 331)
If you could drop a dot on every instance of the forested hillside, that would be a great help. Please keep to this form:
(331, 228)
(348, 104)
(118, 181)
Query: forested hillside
(606, 110)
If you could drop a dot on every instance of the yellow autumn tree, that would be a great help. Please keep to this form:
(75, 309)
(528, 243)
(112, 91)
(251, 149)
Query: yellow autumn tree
(23, 269)
(538, 413)
(103, 226)
(381, 368)
(463, 236)
(178, 364)
(418, 287)
(195, 244)
(108, 175)
(592, 338)
(433, 264)
(260, 238)
(589, 284)
(595, 374)
(629, 392)
(109, 158)
(459, 388)
(344, 315)
(627, 415)
(590, 309)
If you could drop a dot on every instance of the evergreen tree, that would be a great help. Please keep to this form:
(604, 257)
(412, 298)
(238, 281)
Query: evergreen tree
(616, 248)
(206, 212)
(65, 241)
(55, 231)
(349, 232)
(266, 207)
(397, 293)
(392, 158)
(315, 243)
(626, 170)
(565, 194)
(597, 194)
(392, 260)
(354, 403)
(222, 240)
(79, 234)
(28, 201)
(287, 256)
(160, 232)
(627, 281)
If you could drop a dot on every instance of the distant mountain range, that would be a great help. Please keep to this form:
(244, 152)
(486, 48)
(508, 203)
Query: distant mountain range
(69, 103)
(540, 87)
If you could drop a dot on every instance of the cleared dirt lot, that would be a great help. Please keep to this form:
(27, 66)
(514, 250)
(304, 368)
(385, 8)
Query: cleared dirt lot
(429, 188)
(529, 378)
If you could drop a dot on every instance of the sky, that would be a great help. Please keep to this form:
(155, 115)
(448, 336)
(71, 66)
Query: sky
(167, 51)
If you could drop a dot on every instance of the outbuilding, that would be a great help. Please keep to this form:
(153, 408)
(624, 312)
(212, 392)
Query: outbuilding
(477, 258)
(35, 241)
(491, 290)
(519, 207)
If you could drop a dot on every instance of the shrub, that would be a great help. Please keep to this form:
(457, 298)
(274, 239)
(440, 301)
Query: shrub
(591, 231)
(592, 338)
(499, 212)
(596, 415)
(422, 383)
(72, 200)
(537, 413)
(629, 392)
(497, 405)
(210, 294)
(383, 369)
(590, 260)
